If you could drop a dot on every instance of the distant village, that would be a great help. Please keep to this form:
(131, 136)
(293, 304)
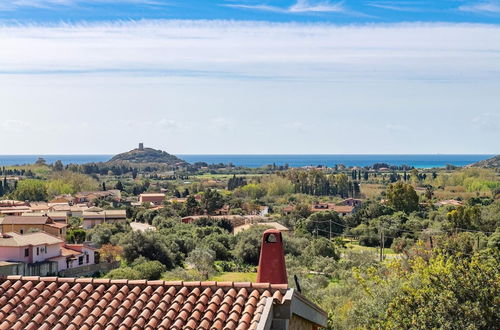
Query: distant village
(33, 240)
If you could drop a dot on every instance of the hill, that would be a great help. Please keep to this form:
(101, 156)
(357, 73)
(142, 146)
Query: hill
(143, 155)
(493, 162)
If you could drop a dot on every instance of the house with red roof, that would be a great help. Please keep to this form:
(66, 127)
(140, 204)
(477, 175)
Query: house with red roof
(25, 224)
(342, 210)
(40, 253)
(153, 199)
(95, 303)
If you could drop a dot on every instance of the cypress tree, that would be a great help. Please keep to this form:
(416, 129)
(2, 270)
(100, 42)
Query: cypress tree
(5, 185)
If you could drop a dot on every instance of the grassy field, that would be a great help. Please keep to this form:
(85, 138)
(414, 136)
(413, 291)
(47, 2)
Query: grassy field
(370, 190)
(356, 247)
(235, 277)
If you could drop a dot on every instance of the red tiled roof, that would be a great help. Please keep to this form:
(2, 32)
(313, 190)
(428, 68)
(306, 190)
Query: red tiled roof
(86, 303)
(319, 207)
(57, 225)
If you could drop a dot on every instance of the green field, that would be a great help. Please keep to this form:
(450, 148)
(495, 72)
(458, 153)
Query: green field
(356, 247)
(235, 277)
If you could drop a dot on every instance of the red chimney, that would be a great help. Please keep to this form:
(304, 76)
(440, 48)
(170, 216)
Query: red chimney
(272, 267)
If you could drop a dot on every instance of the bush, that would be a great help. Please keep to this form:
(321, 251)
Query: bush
(124, 273)
(150, 270)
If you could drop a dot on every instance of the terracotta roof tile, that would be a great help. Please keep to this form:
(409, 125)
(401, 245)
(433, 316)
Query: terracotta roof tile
(102, 304)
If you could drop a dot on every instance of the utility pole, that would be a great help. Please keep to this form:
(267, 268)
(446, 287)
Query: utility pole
(381, 244)
(331, 230)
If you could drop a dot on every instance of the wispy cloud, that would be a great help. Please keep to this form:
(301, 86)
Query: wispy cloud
(14, 125)
(489, 122)
(403, 6)
(301, 6)
(241, 50)
(484, 7)
(47, 4)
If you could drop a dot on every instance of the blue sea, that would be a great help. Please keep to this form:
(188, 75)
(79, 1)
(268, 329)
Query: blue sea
(418, 161)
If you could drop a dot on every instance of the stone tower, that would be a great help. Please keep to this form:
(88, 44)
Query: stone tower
(141, 146)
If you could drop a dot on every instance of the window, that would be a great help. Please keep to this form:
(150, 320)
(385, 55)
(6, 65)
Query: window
(21, 231)
(87, 257)
(26, 252)
(80, 260)
(37, 251)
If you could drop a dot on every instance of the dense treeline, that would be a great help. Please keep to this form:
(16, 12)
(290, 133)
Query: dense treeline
(316, 182)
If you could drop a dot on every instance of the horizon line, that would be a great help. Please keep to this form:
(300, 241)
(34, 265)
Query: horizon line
(270, 154)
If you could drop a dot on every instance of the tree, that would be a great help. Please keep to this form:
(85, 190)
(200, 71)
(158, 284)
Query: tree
(247, 248)
(31, 190)
(191, 206)
(203, 260)
(150, 245)
(58, 166)
(402, 197)
(119, 185)
(103, 186)
(58, 187)
(449, 293)
(110, 253)
(5, 185)
(321, 223)
(101, 234)
(76, 236)
(301, 211)
(321, 247)
(465, 217)
(235, 182)
(40, 161)
(212, 200)
(429, 191)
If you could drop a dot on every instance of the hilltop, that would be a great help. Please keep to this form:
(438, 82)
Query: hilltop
(143, 155)
(493, 162)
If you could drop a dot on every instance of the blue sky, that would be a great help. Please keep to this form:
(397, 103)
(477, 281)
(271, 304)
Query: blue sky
(317, 77)
(340, 12)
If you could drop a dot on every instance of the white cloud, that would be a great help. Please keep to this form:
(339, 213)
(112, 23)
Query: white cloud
(252, 50)
(489, 122)
(222, 124)
(397, 127)
(168, 124)
(484, 7)
(301, 6)
(14, 125)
